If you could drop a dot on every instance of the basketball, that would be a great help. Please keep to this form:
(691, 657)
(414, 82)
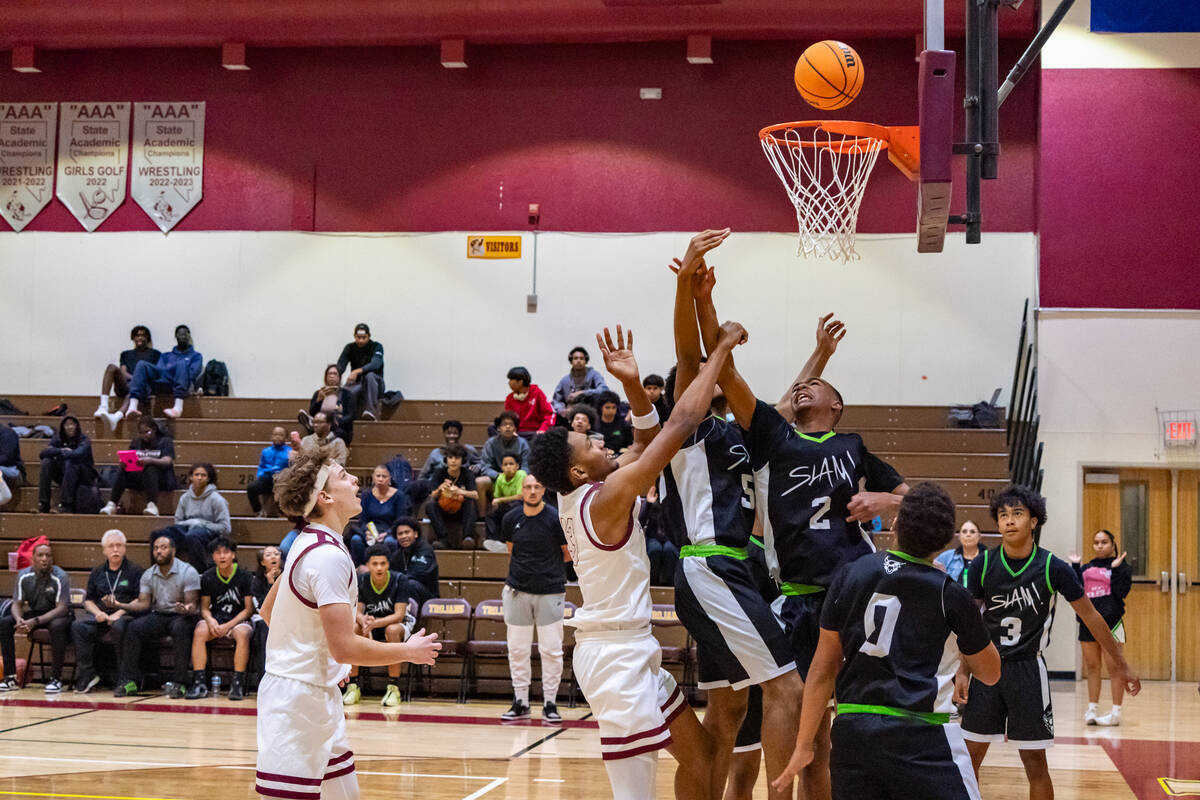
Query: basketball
(829, 75)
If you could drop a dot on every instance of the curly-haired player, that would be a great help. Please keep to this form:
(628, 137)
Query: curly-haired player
(303, 751)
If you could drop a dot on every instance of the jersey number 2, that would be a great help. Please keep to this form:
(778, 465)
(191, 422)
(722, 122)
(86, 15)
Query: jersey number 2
(879, 634)
(817, 521)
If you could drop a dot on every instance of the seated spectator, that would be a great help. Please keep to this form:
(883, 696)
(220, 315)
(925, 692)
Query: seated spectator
(117, 377)
(156, 457)
(365, 378)
(529, 403)
(616, 430)
(114, 580)
(451, 433)
(506, 495)
(582, 419)
(416, 560)
(384, 615)
(67, 460)
(322, 436)
(580, 385)
(12, 468)
(41, 599)
(176, 371)
(201, 515)
(335, 400)
(270, 462)
(226, 605)
(170, 591)
(270, 567)
(505, 442)
(453, 497)
(661, 549)
(382, 506)
(653, 385)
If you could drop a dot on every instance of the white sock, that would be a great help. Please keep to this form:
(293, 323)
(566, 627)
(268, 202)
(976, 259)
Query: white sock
(104, 401)
(133, 403)
(178, 407)
(1116, 709)
(632, 778)
(1093, 706)
(522, 695)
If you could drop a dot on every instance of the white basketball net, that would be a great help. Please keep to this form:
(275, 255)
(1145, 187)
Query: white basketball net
(825, 175)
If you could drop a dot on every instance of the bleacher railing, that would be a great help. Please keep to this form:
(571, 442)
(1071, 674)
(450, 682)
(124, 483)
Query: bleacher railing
(1024, 449)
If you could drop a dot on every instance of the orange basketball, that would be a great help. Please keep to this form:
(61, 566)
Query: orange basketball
(829, 75)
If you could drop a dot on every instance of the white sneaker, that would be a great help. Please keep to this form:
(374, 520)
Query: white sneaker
(151, 510)
(1111, 719)
(495, 546)
(110, 508)
(1089, 716)
(172, 413)
(101, 410)
(112, 420)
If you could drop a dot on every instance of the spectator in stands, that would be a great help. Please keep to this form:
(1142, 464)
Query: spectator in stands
(505, 442)
(653, 385)
(322, 436)
(41, 599)
(384, 614)
(416, 560)
(114, 580)
(335, 400)
(529, 403)
(176, 371)
(453, 497)
(226, 605)
(67, 460)
(156, 457)
(383, 505)
(270, 462)
(507, 493)
(661, 547)
(12, 468)
(580, 385)
(170, 591)
(270, 567)
(582, 419)
(451, 433)
(202, 512)
(533, 594)
(953, 562)
(117, 377)
(365, 378)
(616, 430)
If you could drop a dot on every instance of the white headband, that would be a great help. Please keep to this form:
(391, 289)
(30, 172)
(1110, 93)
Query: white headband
(318, 485)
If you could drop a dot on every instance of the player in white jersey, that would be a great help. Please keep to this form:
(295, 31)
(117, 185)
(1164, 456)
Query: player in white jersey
(303, 751)
(617, 660)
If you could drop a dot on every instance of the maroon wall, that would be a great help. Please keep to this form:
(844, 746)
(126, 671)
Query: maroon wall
(1120, 207)
(386, 139)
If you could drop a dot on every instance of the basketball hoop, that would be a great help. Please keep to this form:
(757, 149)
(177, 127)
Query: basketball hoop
(824, 166)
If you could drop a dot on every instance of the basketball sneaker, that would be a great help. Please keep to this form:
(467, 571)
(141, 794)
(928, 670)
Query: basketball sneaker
(53, 686)
(236, 690)
(110, 508)
(85, 684)
(173, 691)
(550, 714)
(352, 695)
(391, 697)
(517, 711)
(151, 510)
(9, 685)
(1089, 716)
(127, 689)
(1111, 719)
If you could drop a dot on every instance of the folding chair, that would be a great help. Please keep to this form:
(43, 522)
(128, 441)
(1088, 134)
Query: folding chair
(450, 619)
(488, 640)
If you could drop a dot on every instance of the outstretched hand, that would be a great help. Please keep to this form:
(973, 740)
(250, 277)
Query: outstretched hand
(802, 756)
(618, 356)
(829, 333)
(1119, 559)
(423, 649)
(703, 279)
(700, 244)
(734, 334)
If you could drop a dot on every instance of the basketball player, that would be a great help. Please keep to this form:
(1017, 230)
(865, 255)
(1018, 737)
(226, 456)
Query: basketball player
(617, 660)
(895, 625)
(303, 751)
(708, 494)
(812, 487)
(1015, 584)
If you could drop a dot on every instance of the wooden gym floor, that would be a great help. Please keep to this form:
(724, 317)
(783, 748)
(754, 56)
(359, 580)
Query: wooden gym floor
(98, 747)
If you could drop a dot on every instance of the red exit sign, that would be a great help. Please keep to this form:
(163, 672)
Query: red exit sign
(1181, 432)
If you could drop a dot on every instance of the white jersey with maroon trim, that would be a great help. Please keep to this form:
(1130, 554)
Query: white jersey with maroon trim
(318, 572)
(614, 579)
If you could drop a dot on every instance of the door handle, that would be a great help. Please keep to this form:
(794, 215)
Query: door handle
(1183, 583)
(1164, 582)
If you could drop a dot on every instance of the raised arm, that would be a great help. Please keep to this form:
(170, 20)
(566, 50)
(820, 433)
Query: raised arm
(1095, 623)
(828, 335)
(621, 364)
(738, 395)
(687, 338)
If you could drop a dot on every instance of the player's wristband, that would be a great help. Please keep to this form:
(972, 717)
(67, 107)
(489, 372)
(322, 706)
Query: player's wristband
(646, 422)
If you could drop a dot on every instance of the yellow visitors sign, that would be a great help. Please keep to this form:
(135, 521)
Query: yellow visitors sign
(493, 246)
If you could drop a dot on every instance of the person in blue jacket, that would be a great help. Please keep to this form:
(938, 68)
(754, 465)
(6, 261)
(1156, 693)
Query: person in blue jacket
(177, 370)
(273, 459)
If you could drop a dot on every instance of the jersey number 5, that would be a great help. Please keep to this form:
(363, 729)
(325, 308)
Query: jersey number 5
(878, 634)
(748, 491)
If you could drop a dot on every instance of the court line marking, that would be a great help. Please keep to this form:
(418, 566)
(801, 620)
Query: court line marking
(548, 780)
(486, 789)
(544, 739)
(89, 796)
(98, 761)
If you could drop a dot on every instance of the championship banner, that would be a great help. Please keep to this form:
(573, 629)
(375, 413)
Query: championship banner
(493, 246)
(26, 160)
(168, 160)
(93, 159)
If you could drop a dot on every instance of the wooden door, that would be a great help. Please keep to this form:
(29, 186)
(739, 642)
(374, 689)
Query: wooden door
(1187, 644)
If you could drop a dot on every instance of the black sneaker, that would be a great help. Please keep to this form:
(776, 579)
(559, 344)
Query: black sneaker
(518, 711)
(53, 686)
(197, 691)
(550, 714)
(85, 684)
(127, 689)
(173, 691)
(236, 692)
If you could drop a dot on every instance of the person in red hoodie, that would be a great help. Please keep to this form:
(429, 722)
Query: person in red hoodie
(529, 403)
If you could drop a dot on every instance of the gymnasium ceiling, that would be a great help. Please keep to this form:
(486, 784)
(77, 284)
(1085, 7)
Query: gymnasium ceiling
(84, 24)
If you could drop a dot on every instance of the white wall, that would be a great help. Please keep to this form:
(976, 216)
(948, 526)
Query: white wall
(1100, 377)
(1074, 46)
(276, 307)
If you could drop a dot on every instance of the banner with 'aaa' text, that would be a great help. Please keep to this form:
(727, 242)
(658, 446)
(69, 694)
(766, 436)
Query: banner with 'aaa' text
(93, 159)
(27, 133)
(168, 160)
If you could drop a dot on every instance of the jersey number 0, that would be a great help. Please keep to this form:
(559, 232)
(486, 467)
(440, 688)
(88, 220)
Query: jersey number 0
(878, 635)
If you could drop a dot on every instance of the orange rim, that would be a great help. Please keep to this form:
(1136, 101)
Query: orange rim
(901, 141)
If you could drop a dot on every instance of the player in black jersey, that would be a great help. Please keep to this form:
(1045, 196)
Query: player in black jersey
(226, 605)
(1015, 584)
(383, 614)
(895, 625)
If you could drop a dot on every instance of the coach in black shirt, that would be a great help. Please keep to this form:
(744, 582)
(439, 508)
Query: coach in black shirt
(115, 580)
(534, 595)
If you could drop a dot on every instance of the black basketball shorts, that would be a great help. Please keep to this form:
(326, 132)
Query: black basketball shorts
(893, 758)
(1018, 704)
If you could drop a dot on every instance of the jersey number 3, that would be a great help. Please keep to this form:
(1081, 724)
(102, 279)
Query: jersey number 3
(878, 634)
(1012, 631)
